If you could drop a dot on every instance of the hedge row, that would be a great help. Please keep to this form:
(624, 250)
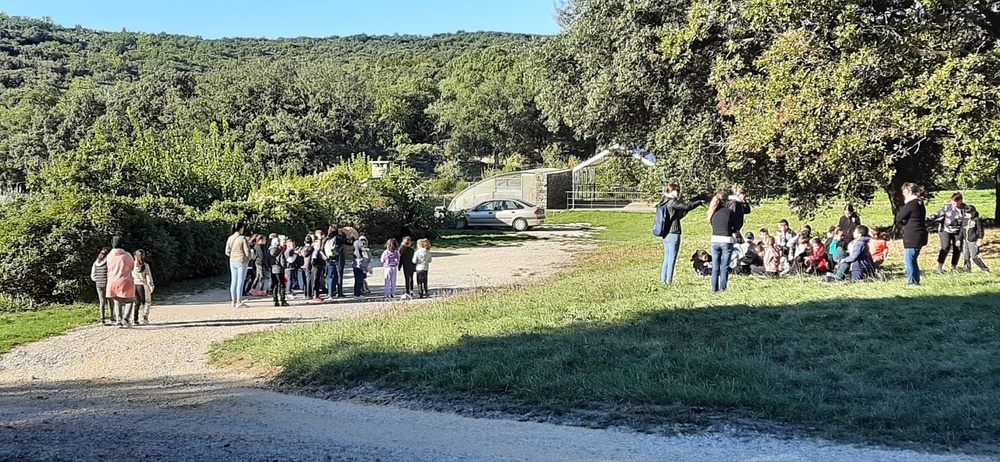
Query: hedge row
(50, 240)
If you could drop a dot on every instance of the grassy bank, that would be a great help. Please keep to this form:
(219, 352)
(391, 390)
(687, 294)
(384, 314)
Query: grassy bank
(871, 362)
(23, 321)
(19, 327)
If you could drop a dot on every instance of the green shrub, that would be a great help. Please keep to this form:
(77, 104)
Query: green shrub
(50, 242)
(10, 303)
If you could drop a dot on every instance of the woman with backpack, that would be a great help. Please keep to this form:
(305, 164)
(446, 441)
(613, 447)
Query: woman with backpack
(669, 214)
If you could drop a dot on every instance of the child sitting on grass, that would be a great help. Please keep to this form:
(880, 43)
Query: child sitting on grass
(878, 246)
(702, 263)
(772, 259)
(816, 262)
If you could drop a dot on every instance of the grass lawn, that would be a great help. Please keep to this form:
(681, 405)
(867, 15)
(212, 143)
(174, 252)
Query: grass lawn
(23, 321)
(21, 327)
(873, 362)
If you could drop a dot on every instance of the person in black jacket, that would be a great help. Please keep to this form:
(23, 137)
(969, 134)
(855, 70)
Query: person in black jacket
(950, 218)
(911, 217)
(737, 202)
(261, 269)
(723, 238)
(848, 222)
(676, 210)
(972, 233)
(406, 264)
(276, 260)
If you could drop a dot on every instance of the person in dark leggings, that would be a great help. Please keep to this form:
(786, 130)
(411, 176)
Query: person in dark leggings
(276, 261)
(406, 264)
(950, 219)
(99, 274)
(422, 261)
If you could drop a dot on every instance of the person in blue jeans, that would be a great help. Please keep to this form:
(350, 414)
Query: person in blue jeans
(677, 210)
(723, 223)
(912, 219)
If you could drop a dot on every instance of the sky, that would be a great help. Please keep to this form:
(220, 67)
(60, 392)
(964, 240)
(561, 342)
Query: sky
(295, 18)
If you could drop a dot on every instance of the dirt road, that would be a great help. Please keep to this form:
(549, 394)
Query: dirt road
(100, 393)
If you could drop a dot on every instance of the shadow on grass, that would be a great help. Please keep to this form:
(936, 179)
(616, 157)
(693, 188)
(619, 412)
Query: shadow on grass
(453, 239)
(922, 368)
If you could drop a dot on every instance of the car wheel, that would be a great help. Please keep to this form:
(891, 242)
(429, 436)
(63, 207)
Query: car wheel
(520, 224)
(461, 224)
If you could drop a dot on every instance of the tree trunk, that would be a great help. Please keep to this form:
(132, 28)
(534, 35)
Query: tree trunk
(996, 192)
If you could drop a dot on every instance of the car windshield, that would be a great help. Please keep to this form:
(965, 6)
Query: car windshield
(527, 204)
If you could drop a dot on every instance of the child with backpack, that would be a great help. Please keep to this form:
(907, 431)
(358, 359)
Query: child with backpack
(362, 264)
(390, 263)
(422, 261)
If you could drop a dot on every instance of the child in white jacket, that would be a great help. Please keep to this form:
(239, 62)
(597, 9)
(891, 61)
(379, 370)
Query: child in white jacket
(422, 260)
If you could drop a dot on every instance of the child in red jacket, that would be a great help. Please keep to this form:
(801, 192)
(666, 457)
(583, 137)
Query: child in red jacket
(817, 259)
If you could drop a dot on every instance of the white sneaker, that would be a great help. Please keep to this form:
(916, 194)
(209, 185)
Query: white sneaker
(242, 305)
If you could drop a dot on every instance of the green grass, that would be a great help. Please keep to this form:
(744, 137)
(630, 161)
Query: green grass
(19, 327)
(858, 362)
(23, 321)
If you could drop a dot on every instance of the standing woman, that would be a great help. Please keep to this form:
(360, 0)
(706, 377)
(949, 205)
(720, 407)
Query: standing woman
(723, 227)
(911, 219)
(99, 274)
(676, 210)
(239, 254)
(951, 217)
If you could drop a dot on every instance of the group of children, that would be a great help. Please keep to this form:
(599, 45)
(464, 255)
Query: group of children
(324, 257)
(803, 253)
(848, 249)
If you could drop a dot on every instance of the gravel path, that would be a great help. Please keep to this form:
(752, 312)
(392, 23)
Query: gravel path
(99, 393)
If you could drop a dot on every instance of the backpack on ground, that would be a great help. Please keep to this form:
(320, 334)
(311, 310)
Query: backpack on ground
(661, 223)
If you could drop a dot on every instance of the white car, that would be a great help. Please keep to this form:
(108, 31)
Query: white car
(516, 213)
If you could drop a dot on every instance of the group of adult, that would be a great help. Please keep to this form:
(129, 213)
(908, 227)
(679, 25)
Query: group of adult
(959, 229)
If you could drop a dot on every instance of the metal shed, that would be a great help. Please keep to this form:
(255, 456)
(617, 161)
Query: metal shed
(544, 187)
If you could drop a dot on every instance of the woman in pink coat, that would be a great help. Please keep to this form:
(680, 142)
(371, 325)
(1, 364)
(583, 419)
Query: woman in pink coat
(121, 288)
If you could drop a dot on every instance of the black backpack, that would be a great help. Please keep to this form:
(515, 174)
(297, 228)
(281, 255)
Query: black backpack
(661, 223)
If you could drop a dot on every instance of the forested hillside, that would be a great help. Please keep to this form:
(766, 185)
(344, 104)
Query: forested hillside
(290, 105)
